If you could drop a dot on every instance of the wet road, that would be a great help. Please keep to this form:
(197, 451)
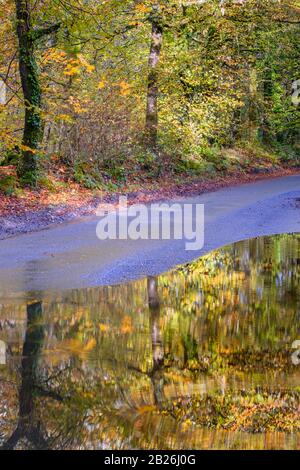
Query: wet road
(71, 256)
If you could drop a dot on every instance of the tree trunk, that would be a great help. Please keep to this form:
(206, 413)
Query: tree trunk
(152, 94)
(28, 165)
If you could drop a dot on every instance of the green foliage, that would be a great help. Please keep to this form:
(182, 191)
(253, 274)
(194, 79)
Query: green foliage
(146, 159)
(8, 185)
(289, 154)
(194, 167)
(11, 157)
(28, 177)
(214, 156)
(83, 175)
(45, 182)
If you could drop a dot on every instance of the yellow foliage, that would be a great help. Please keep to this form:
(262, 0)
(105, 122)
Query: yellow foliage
(142, 8)
(126, 326)
(103, 327)
(125, 88)
(71, 70)
(146, 409)
(90, 345)
(65, 117)
(101, 85)
(88, 67)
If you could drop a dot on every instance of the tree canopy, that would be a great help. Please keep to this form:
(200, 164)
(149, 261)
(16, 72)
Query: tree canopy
(110, 88)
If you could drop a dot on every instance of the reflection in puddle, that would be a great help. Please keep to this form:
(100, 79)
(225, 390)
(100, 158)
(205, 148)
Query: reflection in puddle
(197, 358)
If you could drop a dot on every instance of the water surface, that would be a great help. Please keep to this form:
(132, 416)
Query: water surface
(198, 358)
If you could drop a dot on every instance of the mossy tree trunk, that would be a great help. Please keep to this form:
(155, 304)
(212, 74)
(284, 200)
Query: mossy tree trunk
(28, 165)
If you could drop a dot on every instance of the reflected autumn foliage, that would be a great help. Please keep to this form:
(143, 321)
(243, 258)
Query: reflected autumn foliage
(196, 358)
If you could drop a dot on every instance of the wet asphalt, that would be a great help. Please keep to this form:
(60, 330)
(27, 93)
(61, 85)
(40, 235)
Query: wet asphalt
(70, 256)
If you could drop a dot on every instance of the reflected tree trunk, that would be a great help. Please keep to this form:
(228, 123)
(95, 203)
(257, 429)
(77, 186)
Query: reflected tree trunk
(29, 426)
(156, 374)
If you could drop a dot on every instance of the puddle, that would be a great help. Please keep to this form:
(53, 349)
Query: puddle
(198, 358)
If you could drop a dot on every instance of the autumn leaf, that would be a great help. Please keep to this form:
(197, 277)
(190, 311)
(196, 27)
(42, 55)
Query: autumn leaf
(126, 326)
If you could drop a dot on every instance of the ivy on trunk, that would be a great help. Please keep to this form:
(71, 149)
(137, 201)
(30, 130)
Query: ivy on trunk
(32, 136)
